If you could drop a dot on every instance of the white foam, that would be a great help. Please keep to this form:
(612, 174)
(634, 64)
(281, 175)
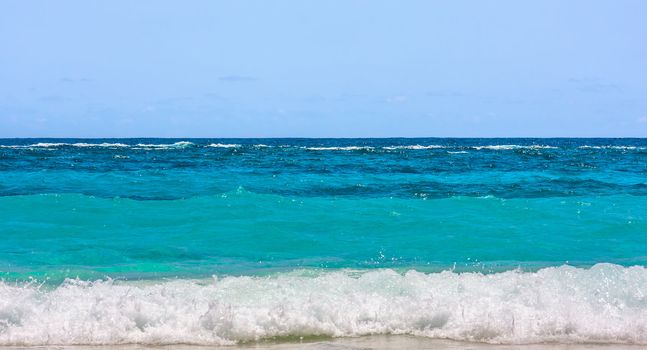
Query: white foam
(416, 147)
(603, 304)
(347, 148)
(511, 147)
(224, 145)
(63, 144)
(180, 144)
(81, 144)
(47, 144)
(613, 147)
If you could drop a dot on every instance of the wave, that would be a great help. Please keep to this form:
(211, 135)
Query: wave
(413, 147)
(613, 147)
(424, 147)
(185, 144)
(180, 144)
(512, 147)
(63, 144)
(345, 148)
(224, 145)
(81, 144)
(603, 304)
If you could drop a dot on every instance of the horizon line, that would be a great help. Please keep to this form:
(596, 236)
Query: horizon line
(325, 137)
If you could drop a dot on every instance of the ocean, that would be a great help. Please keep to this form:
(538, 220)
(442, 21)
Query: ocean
(240, 241)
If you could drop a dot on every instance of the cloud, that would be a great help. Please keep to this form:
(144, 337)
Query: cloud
(237, 78)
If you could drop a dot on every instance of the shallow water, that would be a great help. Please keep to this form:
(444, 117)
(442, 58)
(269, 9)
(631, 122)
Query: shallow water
(158, 241)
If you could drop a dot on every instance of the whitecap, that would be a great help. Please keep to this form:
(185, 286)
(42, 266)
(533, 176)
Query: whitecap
(224, 145)
(77, 144)
(180, 144)
(413, 147)
(613, 147)
(511, 147)
(82, 144)
(603, 304)
(48, 144)
(346, 148)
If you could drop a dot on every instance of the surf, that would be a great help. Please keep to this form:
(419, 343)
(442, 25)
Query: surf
(601, 304)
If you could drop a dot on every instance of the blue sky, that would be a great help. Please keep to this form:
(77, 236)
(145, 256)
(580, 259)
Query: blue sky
(323, 68)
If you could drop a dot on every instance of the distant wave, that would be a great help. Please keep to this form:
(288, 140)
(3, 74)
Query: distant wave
(415, 147)
(62, 144)
(613, 147)
(511, 147)
(224, 145)
(487, 147)
(185, 144)
(181, 144)
(603, 304)
(346, 148)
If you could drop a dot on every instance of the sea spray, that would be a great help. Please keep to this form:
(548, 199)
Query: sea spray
(605, 303)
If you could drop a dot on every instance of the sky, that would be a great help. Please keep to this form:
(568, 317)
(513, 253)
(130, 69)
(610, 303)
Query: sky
(328, 68)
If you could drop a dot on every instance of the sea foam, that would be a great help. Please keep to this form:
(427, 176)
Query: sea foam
(224, 145)
(512, 147)
(344, 148)
(412, 147)
(180, 144)
(64, 144)
(612, 147)
(604, 304)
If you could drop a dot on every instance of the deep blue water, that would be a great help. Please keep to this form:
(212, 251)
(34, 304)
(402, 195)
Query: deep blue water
(322, 237)
(159, 207)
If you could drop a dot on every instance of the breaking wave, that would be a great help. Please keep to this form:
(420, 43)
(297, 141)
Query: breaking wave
(603, 304)
(613, 147)
(414, 147)
(224, 145)
(511, 147)
(181, 144)
(346, 148)
(63, 144)
(185, 144)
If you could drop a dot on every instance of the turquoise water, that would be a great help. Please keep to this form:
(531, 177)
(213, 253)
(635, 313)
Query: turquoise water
(235, 238)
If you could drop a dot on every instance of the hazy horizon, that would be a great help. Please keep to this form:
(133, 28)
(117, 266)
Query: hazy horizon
(323, 69)
(314, 137)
